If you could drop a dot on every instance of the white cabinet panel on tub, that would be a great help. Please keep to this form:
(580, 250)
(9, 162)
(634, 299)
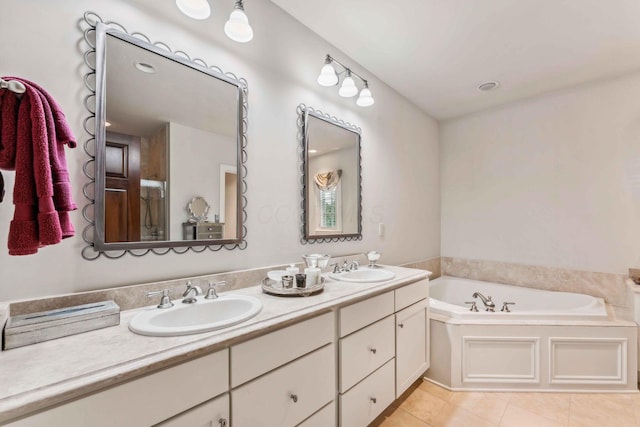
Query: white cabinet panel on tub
(288, 395)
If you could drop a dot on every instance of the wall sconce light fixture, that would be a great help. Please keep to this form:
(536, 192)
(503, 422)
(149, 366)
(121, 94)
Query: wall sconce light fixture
(237, 27)
(330, 77)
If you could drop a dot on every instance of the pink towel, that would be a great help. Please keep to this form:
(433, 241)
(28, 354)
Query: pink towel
(36, 133)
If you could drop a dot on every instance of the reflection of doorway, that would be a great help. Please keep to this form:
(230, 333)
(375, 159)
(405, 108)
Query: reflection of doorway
(229, 200)
(122, 188)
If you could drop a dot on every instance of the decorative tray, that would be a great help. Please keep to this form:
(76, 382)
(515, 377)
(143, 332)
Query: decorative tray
(275, 288)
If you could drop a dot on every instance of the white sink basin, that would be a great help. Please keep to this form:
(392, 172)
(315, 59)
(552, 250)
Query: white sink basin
(202, 316)
(363, 275)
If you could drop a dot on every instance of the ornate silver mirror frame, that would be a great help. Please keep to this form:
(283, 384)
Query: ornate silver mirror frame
(94, 125)
(306, 113)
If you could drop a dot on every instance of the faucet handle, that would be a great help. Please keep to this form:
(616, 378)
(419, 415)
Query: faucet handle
(474, 306)
(336, 267)
(211, 292)
(505, 306)
(165, 301)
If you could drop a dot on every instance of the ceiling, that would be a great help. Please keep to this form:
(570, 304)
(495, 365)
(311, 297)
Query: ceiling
(436, 52)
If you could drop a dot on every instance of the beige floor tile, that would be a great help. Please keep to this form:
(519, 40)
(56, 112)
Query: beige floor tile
(488, 406)
(515, 416)
(456, 416)
(436, 390)
(600, 411)
(554, 406)
(401, 418)
(423, 405)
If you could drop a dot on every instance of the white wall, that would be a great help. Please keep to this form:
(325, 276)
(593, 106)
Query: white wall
(41, 40)
(194, 170)
(551, 181)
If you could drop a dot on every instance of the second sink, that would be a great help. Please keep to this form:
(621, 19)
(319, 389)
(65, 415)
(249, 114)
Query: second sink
(203, 316)
(363, 275)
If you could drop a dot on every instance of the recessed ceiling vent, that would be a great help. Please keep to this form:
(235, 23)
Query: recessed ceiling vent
(487, 86)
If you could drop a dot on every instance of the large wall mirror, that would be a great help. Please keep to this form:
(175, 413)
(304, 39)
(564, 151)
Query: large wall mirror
(331, 181)
(170, 139)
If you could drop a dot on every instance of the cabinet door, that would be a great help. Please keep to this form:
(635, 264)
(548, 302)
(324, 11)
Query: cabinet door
(412, 345)
(214, 413)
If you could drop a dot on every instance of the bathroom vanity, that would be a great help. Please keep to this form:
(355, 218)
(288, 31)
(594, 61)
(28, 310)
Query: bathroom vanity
(337, 358)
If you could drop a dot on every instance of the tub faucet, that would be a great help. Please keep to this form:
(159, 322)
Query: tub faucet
(489, 305)
(191, 293)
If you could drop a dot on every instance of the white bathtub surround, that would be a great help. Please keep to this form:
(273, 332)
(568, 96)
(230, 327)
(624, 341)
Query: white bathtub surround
(610, 287)
(581, 350)
(450, 294)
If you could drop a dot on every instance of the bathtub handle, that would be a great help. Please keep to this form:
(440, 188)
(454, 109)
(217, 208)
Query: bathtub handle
(474, 306)
(373, 350)
(505, 306)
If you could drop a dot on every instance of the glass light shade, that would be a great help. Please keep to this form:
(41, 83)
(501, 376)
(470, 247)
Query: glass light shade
(196, 9)
(328, 76)
(348, 88)
(237, 27)
(365, 99)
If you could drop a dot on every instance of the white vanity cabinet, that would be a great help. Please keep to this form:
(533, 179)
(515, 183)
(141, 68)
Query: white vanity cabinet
(383, 349)
(286, 377)
(145, 401)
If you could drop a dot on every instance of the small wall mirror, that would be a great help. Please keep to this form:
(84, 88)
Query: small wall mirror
(170, 133)
(331, 183)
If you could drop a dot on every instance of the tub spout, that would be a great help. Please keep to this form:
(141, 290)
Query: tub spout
(489, 305)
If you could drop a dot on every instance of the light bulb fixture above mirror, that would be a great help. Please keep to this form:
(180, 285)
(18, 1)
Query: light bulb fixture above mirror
(330, 77)
(237, 27)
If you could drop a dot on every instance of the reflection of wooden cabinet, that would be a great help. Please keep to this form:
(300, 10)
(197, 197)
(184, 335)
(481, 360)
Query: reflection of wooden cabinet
(202, 230)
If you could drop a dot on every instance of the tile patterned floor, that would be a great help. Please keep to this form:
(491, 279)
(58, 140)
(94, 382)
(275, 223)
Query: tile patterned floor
(428, 405)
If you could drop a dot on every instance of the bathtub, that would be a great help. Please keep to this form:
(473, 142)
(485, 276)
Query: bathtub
(550, 341)
(449, 294)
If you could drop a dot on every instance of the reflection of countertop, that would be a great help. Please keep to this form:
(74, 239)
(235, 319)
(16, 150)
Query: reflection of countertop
(45, 374)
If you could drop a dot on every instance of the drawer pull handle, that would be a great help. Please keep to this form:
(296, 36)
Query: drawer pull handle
(401, 325)
(294, 397)
(374, 400)
(373, 350)
(222, 422)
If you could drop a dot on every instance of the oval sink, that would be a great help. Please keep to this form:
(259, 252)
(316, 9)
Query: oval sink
(364, 275)
(202, 316)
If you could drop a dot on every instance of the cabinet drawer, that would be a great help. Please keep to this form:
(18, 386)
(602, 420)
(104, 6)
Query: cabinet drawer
(365, 351)
(325, 417)
(253, 358)
(208, 236)
(411, 294)
(144, 401)
(361, 314)
(214, 413)
(363, 403)
(287, 395)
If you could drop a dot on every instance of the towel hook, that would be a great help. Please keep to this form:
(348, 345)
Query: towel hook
(13, 85)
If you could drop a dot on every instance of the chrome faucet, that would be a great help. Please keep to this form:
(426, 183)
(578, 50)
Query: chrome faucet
(211, 293)
(191, 293)
(346, 266)
(489, 305)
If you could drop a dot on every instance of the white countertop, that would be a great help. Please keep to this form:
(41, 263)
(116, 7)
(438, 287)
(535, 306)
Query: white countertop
(45, 374)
